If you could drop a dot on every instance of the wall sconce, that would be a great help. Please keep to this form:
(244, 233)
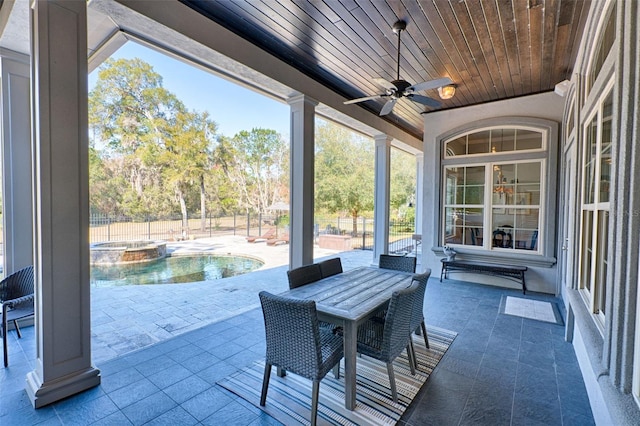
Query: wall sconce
(447, 92)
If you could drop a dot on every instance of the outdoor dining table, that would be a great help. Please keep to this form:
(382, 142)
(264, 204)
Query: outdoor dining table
(347, 300)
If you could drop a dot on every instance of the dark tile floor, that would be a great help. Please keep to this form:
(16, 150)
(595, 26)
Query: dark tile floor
(500, 370)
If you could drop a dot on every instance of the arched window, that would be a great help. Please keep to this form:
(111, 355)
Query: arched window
(494, 189)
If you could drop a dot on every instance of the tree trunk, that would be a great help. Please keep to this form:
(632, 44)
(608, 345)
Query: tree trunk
(354, 216)
(203, 206)
(185, 216)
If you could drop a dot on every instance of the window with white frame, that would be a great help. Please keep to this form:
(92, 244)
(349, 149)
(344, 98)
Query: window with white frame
(464, 205)
(605, 43)
(594, 221)
(492, 199)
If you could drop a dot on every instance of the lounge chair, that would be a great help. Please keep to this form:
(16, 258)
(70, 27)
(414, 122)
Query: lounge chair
(276, 241)
(271, 233)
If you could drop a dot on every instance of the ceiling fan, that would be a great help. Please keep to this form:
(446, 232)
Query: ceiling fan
(399, 88)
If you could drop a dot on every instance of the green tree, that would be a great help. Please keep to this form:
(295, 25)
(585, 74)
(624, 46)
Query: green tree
(105, 195)
(344, 178)
(255, 162)
(223, 190)
(131, 115)
(187, 157)
(129, 107)
(403, 184)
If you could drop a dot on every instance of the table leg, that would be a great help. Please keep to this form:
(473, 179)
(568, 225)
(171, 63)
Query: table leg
(350, 353)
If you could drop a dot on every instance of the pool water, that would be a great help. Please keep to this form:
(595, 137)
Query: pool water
(173, 270)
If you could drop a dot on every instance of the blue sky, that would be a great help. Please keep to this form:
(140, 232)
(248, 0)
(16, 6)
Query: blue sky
(233, 107)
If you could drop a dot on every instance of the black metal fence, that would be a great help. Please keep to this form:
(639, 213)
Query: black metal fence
(117, 228)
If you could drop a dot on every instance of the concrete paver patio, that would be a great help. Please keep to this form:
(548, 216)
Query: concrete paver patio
(127, 318)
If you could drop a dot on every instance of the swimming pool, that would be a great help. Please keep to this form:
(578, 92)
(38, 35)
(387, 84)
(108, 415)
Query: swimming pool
(173, 270)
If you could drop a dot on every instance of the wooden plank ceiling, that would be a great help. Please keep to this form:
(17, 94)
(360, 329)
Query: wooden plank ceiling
(491, 49)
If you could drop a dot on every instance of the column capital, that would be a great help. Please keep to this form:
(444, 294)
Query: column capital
(300, 98)
(15, 56)
(382, 138)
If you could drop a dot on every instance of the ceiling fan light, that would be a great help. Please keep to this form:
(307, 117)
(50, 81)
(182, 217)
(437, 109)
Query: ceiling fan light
(447, 92)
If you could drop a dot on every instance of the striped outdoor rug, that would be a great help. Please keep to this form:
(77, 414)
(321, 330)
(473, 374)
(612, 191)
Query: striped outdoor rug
(289, 398)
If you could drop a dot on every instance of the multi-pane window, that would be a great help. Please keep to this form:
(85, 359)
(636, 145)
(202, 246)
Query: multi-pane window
(494, 203)
(516, 205)
(596, 175)
(606, 40)
(464, 205)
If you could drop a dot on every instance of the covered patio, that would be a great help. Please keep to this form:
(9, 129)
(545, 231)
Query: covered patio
(501, 369)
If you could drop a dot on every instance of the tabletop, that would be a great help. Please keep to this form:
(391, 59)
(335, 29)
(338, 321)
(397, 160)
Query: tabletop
(353, 294)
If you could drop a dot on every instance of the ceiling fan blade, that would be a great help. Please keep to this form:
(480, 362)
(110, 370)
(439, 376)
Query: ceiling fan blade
(386, 109)
(424, 100)
(384, 83)
(431, 84)
(366, 98)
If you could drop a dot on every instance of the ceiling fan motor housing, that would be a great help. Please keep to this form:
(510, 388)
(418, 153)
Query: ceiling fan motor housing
(399, 26)
(401, 85)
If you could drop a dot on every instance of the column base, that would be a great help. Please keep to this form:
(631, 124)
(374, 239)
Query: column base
(42, 394)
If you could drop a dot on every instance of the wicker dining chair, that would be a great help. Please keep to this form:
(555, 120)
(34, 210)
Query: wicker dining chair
(397, 263)
(296, 343)
(417, 314)
(308, 274)
(16, 296)
(385, 341)
(304, 275)
(330, 267)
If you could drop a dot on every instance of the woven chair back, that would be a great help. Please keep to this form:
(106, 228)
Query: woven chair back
(397, 263)
(292, 334)
(304, 275)
(330, 267)
(417, 315)
(397, 325)
(17, 285)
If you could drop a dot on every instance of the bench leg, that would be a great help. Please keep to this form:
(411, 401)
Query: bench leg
(524, 285)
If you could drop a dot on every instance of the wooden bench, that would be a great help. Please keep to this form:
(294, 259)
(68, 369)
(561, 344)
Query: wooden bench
(513, 272)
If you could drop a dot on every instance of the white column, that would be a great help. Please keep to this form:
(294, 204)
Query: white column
(16, 161)
(381, 196)
(301, 190)
(61, 202)
(419, 195)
